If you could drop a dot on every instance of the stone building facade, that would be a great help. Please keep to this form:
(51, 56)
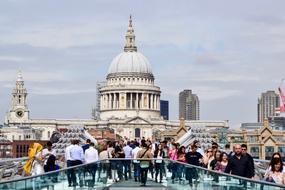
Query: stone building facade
(129, 101)
(262, 143)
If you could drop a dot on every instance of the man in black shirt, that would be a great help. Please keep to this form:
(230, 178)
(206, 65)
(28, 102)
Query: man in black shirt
(193, 158)
(250, 169)
(239, 164)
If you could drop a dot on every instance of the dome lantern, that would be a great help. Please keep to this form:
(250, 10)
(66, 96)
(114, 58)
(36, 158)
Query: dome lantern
(130, 38)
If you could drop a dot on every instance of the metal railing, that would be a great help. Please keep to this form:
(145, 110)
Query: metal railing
(174, 172)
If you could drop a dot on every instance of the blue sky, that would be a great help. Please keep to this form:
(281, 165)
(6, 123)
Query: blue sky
(227, 52)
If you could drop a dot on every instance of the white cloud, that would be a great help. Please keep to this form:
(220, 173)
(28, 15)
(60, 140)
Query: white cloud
(12, 58)
(33, 76)
(59, 91)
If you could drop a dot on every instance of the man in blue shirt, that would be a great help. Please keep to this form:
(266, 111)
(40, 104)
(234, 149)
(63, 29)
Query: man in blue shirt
(87, 145)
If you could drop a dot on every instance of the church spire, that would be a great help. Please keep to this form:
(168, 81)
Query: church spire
(20, 77)
(19, 93)
(130, 38)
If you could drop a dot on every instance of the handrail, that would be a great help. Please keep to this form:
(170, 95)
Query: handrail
(259, 160)
(168, 160)
(13, 159)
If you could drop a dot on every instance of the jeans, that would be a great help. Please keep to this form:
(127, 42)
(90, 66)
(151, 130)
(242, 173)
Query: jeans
(137, 170)
(174, 170)
(143, 172)
(120, 168)
(180, 170)
(72, 172)
(68, 172)
(191, 173)
(92, 170)
(158, 170)
(127, 169)
(105, 168)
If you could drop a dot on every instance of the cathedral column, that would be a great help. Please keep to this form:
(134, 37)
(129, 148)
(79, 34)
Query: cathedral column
(137, 100)
(131, 99)
(154, 103)
(158, 102)
(113, 101)
(106, 101)
(141, 104)
(151, 101)
(101, 101)
(117, 101)
(109, 101)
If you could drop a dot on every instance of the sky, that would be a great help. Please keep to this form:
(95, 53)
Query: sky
(227, 52)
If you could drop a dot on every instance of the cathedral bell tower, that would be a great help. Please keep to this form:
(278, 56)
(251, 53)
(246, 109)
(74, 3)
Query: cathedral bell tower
(19, 110)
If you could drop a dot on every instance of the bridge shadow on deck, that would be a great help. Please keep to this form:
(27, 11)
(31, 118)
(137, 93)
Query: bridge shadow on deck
(132, 185)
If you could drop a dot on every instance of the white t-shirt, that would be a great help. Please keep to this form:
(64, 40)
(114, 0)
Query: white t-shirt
(91, 155)
(37, 167)
(46, 152)
(135, 152)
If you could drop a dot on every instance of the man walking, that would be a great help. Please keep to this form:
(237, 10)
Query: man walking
(145, 152)
(91, 155)
(239, 164)
(194, 158)
(76, 157)
(127, 163)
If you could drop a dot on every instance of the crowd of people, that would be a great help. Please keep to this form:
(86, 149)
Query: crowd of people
(146, 156)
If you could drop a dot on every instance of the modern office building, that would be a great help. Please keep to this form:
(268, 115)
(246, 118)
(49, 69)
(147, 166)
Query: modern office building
(189, 108)
(164, 109)
(267, 105)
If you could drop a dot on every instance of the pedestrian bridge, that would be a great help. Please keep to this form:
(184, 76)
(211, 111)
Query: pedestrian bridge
(205, 179)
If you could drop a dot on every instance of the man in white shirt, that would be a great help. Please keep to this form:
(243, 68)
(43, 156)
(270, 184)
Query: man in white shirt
(68, 160)
(48, 151)
(127, 163)
(136, 162)
(76, 158)
(91, 156)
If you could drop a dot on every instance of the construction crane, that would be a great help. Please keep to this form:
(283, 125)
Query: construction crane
(282, 96)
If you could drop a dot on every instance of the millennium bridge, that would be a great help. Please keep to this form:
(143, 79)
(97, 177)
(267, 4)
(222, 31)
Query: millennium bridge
(11, 178)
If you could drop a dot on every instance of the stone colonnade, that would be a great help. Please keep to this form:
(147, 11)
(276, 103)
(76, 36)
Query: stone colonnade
(130, 100)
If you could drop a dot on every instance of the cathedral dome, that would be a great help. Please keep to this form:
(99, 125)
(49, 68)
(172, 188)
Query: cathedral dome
(130, 62)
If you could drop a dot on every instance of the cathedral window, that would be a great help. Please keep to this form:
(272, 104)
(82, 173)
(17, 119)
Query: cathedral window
(19, 99)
